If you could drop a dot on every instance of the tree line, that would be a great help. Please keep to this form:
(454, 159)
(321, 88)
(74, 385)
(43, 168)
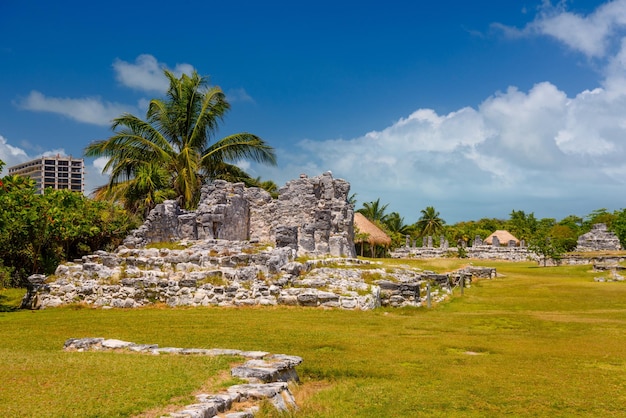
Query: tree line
(547, 236)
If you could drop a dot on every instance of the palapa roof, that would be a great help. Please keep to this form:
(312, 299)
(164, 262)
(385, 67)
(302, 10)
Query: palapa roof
(376, 235)
(503, 236)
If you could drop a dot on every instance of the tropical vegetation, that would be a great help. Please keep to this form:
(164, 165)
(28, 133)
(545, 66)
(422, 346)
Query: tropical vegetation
(430, 222)
(546, 236)
(174, 149)
(37, 232)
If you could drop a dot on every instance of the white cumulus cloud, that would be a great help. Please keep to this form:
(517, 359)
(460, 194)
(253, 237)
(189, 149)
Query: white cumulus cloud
(10, 154)
(146, 73)
(516, 150)
(92, 110)
(592, 34)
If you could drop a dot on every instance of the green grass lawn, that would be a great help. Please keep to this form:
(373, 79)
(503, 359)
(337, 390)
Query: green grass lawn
(534, 342)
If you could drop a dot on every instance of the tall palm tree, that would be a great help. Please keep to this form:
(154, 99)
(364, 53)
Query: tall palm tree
(395, 223)
(149, 186)
(374, 211)
(430, 223)
(178, 135)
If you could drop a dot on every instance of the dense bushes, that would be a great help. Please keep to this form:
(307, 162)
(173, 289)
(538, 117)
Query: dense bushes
(37, 232)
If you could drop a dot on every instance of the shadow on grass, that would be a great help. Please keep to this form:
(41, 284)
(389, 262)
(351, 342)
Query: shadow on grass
(9, 304)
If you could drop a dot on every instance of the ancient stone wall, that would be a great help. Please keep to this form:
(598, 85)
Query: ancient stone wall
(234, 273)
(311, 216)
(478, 250)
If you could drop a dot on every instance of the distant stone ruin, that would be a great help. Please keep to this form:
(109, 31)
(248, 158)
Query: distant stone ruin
(479, 250)
(598, 239)
(311, 215)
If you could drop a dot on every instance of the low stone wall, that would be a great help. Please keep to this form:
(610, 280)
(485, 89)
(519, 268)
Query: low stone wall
(580, 259)
(267, 374)
(228, 273)
(491, 252)
(480, 252)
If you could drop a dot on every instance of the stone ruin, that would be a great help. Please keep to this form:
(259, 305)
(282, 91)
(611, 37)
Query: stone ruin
(240, 248)
(237, 273)
(478, 250)
(598, 239)
(311, 216)
(267, 377)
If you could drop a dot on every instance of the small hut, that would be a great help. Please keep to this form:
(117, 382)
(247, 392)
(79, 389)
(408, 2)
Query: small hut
(370, 234)
(503, 237)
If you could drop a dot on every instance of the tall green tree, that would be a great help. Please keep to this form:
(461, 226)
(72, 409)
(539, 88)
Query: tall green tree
(430, 222)
(522, 225)
(397, 230)
(619, 226)
(546, 245)
(39, 231)
(179, 135)
(149, 187)
(374, 211)
(599, 216)
(395, 223)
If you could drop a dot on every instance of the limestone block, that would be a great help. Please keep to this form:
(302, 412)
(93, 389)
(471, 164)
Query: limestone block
(115, 344)
(308, 298)
(348, 302)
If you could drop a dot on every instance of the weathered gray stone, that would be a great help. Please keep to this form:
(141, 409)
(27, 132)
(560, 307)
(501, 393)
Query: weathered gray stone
(268, 377)
(115, 344)
(311, 215)
(598, 239)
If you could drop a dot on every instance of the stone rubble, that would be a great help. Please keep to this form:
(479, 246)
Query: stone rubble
(598, 239)
(268, 377)
(232, 273)
(612, 269)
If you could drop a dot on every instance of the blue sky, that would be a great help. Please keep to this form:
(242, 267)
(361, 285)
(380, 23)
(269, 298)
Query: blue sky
(475, 108)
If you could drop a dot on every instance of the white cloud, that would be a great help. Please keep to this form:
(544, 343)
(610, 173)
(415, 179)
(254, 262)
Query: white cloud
(92, 110)
(146, 73)
(94, 177)
(517, 150)
(591, 34)
(11, 155)
(100, 162)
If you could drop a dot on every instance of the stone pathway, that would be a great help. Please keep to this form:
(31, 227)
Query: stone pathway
(267, 375)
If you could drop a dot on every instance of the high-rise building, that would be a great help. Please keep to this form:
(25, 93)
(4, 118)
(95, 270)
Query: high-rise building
(58, 172)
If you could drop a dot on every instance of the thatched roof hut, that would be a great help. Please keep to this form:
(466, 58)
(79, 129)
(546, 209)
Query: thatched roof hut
(503, 236)
(376, 236)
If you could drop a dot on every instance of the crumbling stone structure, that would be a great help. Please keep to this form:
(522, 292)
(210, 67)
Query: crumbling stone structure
(598, 239)
(311, 215)
(237, 273)
(478, 249)
(267, 376)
